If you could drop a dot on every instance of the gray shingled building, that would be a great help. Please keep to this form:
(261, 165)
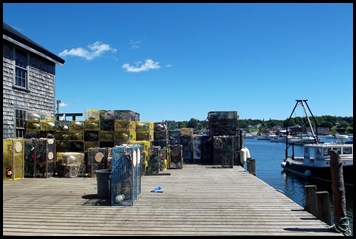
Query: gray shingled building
(28, 81)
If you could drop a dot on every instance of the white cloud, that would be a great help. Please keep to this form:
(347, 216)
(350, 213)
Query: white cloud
(95, 50)
(63, 104)
(148, 65)
(135, 44)
(169, 65)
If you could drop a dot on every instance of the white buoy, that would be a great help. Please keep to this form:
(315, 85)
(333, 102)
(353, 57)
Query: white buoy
(244, 155)
(248, 152)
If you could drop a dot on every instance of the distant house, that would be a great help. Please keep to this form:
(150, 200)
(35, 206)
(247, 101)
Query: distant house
(28, 81)
(321, 130)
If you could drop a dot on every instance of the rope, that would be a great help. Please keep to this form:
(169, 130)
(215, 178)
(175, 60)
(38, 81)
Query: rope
(343, 226)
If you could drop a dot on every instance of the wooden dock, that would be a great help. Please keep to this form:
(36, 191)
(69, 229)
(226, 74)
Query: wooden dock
(196, 200)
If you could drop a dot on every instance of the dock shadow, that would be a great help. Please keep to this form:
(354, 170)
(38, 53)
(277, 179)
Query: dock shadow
(94, 200)
(216, 167)
(309, 229)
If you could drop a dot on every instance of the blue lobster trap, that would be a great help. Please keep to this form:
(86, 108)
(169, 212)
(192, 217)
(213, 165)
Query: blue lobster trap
(125, 182)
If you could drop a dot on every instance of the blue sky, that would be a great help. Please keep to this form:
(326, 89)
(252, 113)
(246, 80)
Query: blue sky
(179, 61)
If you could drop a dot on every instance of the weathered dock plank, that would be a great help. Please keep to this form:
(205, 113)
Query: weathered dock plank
(196, 200)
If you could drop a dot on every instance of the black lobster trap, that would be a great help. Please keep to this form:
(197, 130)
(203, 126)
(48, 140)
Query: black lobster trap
(39, 157)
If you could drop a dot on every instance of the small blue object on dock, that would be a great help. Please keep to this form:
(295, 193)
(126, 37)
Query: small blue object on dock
(157, 190)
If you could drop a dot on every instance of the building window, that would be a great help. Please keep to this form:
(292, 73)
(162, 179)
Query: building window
(20, 117)
(21, 63)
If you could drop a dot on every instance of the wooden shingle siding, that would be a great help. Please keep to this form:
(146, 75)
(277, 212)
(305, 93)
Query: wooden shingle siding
(41, 90)
(40, 94)
(8, 96)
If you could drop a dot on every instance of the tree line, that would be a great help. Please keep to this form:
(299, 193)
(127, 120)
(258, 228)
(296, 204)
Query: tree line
(336, 124)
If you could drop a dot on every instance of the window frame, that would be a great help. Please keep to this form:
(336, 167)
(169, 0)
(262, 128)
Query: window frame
(21, 81)
(20, 119)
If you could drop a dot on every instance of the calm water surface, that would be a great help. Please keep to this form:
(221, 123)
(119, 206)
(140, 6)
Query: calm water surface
(269, 156)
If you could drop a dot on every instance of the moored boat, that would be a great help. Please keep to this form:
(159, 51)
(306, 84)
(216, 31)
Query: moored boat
(314, 164)
(266, 136)
(249, 136)
(304, 139)
(278, 139)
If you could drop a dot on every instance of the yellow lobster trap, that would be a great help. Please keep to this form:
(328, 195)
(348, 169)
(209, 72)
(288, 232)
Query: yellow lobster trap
(13, 159)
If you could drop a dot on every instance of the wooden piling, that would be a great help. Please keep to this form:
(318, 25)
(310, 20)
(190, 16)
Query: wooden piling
(338, 189)
(310, 202)
(251, 166)
(323, 211)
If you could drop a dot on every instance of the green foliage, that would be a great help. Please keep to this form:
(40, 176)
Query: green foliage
(182, 124)
(335, 123)
(350, 130)
(192, 123)
(326, 124)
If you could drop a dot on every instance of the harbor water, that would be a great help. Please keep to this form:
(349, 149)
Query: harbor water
(268, 158)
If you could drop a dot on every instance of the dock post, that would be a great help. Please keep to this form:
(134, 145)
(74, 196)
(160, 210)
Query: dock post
(251, 166)
(323, 211)
(341, 222)
(310, 202)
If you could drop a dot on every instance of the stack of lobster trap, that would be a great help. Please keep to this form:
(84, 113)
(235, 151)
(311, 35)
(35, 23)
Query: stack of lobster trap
(176, 156)
(39, 157)
(160, 134)
(186, 135)
(80, 148)
(98, 158)
(70, 165)
(226, 138)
